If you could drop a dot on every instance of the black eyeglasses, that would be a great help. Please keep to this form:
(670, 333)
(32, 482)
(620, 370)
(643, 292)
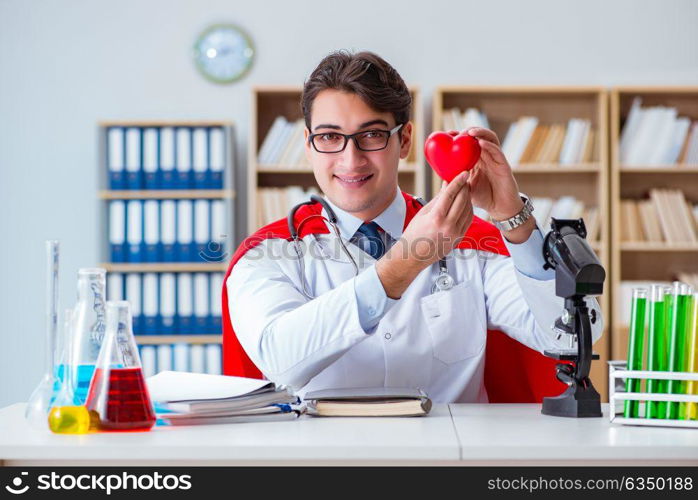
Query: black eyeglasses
(368, 140)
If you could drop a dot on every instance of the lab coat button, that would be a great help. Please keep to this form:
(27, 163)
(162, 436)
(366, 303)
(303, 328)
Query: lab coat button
(387, 336)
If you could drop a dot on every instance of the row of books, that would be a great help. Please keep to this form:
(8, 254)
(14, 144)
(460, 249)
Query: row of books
(194, 358)
(284, 144)
(166, 157)
(167, 230)
(170, 303)
(665, 217)
(529, 141)
(657, 135)
(565, 207)
(274, 203)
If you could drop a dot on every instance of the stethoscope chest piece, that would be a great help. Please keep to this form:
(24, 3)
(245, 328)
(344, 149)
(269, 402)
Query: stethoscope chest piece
(443, 282)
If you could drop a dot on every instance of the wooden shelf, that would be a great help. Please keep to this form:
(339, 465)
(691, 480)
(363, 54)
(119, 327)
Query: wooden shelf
(646, 261)
(658, 169)
(164, 267)
(587, 181)
(644, 246)
(174, 339)
(183, 194)
(556, 168)
(270, 101)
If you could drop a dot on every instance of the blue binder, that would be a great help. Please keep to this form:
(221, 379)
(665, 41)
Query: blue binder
(151, 231)
(217, 155)
(151, 167)
(116, 152)
(134, 230)
(117, 231)
(168, 153)
(184, 178)
(134, 158)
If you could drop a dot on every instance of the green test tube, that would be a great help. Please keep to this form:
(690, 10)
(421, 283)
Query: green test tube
(636, 339)
(657, 359)
(691, 409)
(678, 344)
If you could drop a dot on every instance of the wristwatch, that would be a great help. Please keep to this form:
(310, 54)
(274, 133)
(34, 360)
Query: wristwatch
(518, 219)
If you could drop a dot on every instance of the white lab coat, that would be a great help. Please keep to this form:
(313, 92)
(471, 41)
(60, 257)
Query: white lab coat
(432, 341)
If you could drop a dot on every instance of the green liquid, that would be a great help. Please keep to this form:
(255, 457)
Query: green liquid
(657, 358)
(636, 337)
(678, 350)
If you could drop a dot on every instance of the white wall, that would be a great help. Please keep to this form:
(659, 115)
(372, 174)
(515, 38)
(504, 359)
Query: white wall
(65, 65)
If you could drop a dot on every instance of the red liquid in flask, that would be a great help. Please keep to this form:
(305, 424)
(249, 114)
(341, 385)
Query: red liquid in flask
(123, 403)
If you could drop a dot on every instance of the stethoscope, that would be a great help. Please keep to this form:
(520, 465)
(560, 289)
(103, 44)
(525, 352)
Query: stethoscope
(444, 281)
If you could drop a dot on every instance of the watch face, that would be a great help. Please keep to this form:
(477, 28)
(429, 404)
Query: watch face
(223, 53)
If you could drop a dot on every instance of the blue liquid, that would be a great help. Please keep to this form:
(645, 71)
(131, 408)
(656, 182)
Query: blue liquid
(84, 376)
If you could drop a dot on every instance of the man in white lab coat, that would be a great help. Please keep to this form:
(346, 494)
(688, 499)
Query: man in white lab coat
(318, 322)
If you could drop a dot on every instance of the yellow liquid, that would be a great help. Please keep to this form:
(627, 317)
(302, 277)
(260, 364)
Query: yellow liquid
(69, 420)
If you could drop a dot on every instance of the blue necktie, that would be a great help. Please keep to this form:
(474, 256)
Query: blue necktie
(371, 243)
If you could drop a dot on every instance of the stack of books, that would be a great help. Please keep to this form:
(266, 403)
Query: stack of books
(657, 136)
(665, 217)
(182, 398)
(283, 146)
(274, 203)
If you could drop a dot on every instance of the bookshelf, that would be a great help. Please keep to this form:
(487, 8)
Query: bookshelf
(219, 189)
(587, 180)
(268, 102)
(643, 260)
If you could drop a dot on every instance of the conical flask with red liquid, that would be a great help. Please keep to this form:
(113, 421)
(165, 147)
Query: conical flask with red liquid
(118, 397)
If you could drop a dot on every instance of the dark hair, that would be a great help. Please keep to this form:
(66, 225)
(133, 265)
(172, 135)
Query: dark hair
(365, 74)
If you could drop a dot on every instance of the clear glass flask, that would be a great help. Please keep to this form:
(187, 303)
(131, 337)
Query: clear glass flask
(67, 415)
(118, 396)
(40, 400)
(88, 327)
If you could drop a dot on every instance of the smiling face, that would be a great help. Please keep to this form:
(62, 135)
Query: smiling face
(362, 183)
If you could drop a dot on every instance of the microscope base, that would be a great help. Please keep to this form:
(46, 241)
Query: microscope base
(575, 402)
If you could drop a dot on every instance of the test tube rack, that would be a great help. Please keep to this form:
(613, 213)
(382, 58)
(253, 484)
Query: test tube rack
(617, 371)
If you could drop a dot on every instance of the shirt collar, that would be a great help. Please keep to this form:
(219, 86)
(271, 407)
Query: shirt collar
(392, 219)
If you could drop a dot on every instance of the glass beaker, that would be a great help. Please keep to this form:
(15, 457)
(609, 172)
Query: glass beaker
(118, 396)
(88, 327)
(40, 400)
(67, 414)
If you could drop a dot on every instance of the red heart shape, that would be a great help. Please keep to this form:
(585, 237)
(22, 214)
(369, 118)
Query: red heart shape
(450, 153)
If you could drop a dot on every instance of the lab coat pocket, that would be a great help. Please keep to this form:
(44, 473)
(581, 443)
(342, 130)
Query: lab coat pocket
(454, 323)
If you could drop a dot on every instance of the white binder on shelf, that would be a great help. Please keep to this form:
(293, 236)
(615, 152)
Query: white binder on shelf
(216, 157)
(151, 179)
(115, 286)
(133, 158)
(151, 230)
(115, 158)
(185, 242)
(184, 173)
(181, 357)
(117, 231)
(201, 303)
(202, 230)
(167, 303)
(218, 236)
(167, 158)
(134, 230)
(133, 295)
(164, 357)
(150, 304)
(197, 358)
(215, 297)
(213, 359)
(168, 230)
(200, 155)
(185, 304)
(148, 360)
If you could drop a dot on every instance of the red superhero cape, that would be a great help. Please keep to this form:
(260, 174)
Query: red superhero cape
(514, 373)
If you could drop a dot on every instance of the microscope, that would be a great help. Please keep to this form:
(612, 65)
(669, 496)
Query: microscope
(578, 273)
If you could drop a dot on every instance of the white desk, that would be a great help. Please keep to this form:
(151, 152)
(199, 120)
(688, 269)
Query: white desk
(450, 435)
